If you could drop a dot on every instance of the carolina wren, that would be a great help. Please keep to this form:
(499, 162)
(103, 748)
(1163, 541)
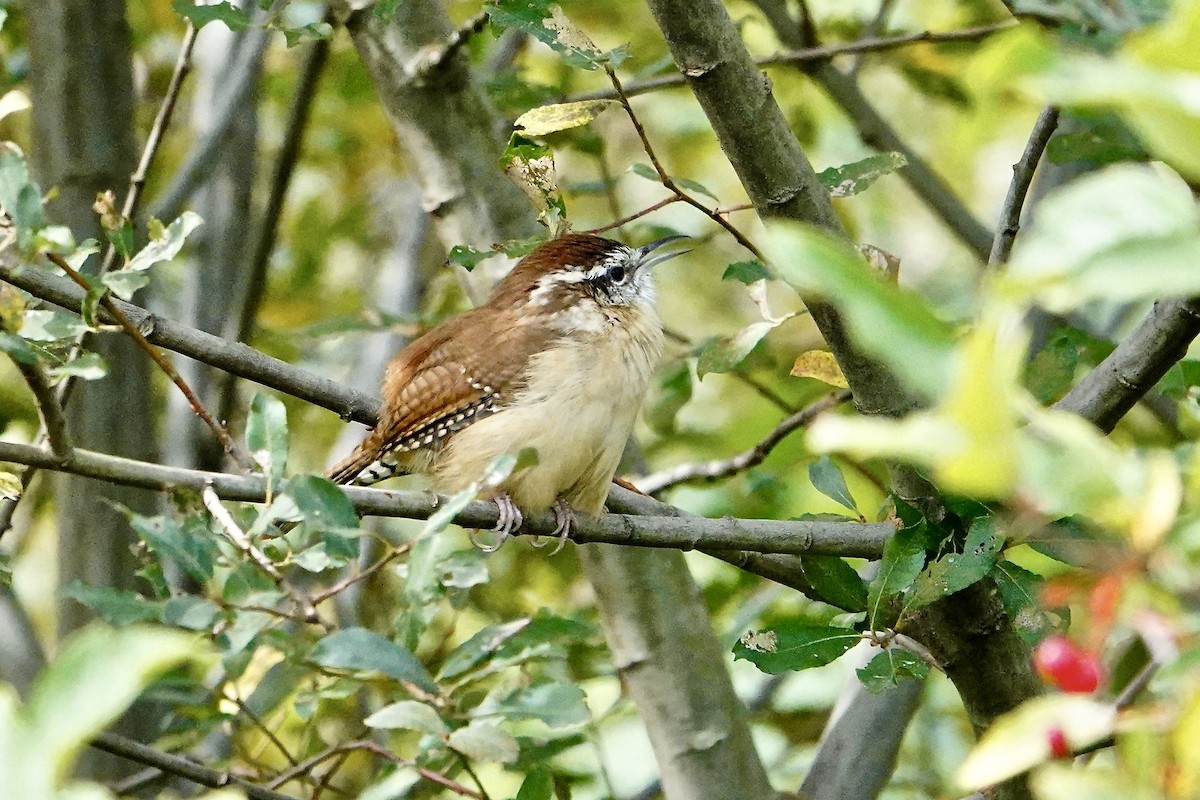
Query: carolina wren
(558, 359)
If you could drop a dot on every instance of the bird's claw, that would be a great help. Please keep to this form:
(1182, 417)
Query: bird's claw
(564, 520)
(509, 519)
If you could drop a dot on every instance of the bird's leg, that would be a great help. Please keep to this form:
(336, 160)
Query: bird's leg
(508, 520)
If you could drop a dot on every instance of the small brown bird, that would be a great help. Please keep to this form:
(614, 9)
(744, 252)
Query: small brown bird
(558, 360)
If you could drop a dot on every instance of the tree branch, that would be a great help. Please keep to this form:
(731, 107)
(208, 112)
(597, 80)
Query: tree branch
(1023, 170)
(810, 55)
(162, 362)
(238, 359)
(54, 423)
(182, 767)
(1108, 392)
(862, 540)
(712, 470)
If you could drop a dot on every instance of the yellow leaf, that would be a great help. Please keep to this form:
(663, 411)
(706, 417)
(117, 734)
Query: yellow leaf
(821, 365)
(560, 116)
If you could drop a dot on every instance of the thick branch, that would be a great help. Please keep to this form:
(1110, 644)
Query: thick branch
(1138, 363)
(673, 532)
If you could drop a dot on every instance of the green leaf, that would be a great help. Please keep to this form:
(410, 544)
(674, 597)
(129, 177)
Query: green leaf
(191, 612)
(835, 582)
(538, 785)
(313, 31)
(887, 668)
(115, 606)
(795, 647)
(162, 247)
(323, 505)
(19, 350)
(468, 258)
(485, 741)
(747, 272)
(903, 560)
(278, 684)
(124, 283)
(559, 705)
(1097, 138)
(513, 642)
(386, 9)
(850, 179)
(191, 547)
(1129, 232)
(19, 196)
(651, 174)
(827, 479)
(954, 572)
(892, 324)
(267, 436)
(50, 326)
(85, 366)
(359, 649)
(723, 355)
(408, 715)
(234, 18)
(1019, 588)
(546, 22)
(93, 679)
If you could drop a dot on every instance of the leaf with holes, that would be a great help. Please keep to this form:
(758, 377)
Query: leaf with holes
(795, 646)
(267, 436)
(954, 572)
(887, 668)
(546, 22)
(850, 179)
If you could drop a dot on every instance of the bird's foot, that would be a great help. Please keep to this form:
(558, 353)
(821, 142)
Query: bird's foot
(564, 520)
(509, 519)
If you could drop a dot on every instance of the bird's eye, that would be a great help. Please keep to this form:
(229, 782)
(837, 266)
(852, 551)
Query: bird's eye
(617, 274)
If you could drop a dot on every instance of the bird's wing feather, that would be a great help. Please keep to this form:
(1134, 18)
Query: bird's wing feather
(441, 383)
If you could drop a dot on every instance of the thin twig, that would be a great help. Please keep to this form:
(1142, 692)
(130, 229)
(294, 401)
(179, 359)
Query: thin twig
(242, 542)
(54, 422)
(258, 723)
(712, 470)
(1023, 170)
(363, 574)
(674, 198)
(163, 363)
(137, 181)
(811, 55)
(665, 177)
(181, 767)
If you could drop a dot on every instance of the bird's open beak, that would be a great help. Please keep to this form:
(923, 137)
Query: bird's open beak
(646, 260)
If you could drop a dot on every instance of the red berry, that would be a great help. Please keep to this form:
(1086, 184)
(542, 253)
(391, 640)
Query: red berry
(1058, 743)
(1061, 662)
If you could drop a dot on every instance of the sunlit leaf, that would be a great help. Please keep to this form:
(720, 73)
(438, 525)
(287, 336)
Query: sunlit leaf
(234, 18)
(561, 116)
(1020, 739)
(722, 355)
(408, 715)
(85, 366)
(1128, 232)
(485, 741)
(48, 326)
(891, 324)
(546, 22)
(821, 365)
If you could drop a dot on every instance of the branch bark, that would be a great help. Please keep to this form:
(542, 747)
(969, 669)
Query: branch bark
(780, 182)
